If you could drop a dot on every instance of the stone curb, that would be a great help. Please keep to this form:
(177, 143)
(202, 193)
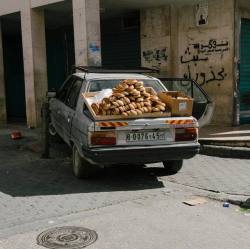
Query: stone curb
(232, 199)
(238, 200)
(225, 151)
(226, 142)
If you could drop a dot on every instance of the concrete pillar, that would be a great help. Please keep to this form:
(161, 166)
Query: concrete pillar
(2, 83)
(174, 41)
(87, 34)
(35, 64)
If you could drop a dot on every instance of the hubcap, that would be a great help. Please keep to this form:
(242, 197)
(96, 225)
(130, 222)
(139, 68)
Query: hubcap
(52, 130)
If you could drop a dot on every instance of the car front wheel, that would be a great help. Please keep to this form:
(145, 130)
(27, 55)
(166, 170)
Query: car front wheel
(81, 167)
(172, 166)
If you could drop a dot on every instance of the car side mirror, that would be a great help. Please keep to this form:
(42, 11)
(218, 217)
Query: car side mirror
(51, 95)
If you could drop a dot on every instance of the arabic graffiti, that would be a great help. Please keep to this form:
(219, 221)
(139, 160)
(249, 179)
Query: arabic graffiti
(94, 47)
(197, 55)
(193, 51)
(192, 58)
(94, 53)
(203, 78)
(156, 55)
(212, 47)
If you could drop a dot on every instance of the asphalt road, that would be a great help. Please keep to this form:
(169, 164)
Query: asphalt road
(128, 207)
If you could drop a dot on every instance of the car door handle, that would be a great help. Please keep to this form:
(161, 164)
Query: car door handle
(69, 119)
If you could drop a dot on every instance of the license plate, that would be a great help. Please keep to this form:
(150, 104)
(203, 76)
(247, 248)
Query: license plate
(145, 136)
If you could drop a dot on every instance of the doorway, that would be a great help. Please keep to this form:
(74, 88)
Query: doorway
(13, 68)
(121, 40)
(59, 42)
(245, 72)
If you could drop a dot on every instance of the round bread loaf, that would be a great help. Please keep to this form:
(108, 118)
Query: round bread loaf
(95, 108)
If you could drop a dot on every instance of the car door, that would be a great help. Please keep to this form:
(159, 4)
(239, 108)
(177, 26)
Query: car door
(57, 105)
(70, 108)
(203, 107)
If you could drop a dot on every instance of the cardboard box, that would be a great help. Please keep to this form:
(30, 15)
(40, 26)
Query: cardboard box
(178, 102)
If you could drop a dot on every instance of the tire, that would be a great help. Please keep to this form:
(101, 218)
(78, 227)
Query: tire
(172, 166)
(82, 169)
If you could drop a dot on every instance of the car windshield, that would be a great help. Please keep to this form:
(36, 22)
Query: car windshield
(99, 85)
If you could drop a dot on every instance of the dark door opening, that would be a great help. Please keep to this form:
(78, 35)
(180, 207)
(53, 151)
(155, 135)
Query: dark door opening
(245, 72)
(60, 55)
(13, 69)
(121, 40)
(59, 42)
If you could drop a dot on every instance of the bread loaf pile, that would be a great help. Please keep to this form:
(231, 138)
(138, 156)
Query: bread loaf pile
(129, 98)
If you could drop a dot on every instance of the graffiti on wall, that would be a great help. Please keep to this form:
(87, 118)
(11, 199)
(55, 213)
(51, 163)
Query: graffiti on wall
(94, 54)
(212, 47)
(199, 55)
(203, 77)
(155, 55)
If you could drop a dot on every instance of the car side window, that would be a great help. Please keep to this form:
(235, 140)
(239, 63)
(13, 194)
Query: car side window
(63, 92)
(73, 95)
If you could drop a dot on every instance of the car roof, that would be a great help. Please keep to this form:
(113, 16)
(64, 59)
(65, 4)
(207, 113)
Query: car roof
(90, 76)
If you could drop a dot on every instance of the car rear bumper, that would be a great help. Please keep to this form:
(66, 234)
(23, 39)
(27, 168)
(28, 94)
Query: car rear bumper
(140, 154)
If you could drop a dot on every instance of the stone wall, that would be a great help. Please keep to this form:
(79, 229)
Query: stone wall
(204, 53)
(155, 38)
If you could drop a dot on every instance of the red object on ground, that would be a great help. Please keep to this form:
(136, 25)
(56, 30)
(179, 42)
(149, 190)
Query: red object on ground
(16, 135)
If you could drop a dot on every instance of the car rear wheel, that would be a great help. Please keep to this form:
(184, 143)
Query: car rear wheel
(53, 136)
(172, 166)
(81, 167)
(52, 130)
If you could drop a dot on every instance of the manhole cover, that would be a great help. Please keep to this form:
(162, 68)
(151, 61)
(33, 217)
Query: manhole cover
(67, 237)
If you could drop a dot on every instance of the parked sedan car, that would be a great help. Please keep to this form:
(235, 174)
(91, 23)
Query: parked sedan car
(138, 140)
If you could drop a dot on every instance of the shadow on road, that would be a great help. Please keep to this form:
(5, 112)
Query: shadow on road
(23, 173)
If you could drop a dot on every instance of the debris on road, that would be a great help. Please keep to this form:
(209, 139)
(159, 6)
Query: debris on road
(226, 204)
(16, 135)
(196, 201)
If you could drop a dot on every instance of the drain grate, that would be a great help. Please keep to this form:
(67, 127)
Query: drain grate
(67, 238)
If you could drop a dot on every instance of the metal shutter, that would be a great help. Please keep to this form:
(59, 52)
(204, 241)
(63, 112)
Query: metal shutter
(245, 72)
(120, 42)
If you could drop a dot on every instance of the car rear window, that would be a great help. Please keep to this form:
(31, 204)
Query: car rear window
(99, 85)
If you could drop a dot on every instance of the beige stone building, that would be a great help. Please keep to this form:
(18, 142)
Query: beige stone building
(206, 40)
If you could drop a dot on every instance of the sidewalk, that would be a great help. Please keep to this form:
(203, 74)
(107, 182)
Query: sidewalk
(225, 141)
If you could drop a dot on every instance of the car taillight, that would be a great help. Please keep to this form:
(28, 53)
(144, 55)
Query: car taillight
(186, 134)
(103, 138)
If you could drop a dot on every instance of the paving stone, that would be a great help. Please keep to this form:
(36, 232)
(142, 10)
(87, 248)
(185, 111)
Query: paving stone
(226, 175)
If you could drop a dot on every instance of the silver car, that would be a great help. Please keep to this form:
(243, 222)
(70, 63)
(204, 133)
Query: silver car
(98, 144)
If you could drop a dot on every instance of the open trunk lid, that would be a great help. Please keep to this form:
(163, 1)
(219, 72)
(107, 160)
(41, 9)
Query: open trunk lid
(203, 107)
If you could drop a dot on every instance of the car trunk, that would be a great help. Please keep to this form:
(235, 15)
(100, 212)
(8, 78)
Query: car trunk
(144, 131)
